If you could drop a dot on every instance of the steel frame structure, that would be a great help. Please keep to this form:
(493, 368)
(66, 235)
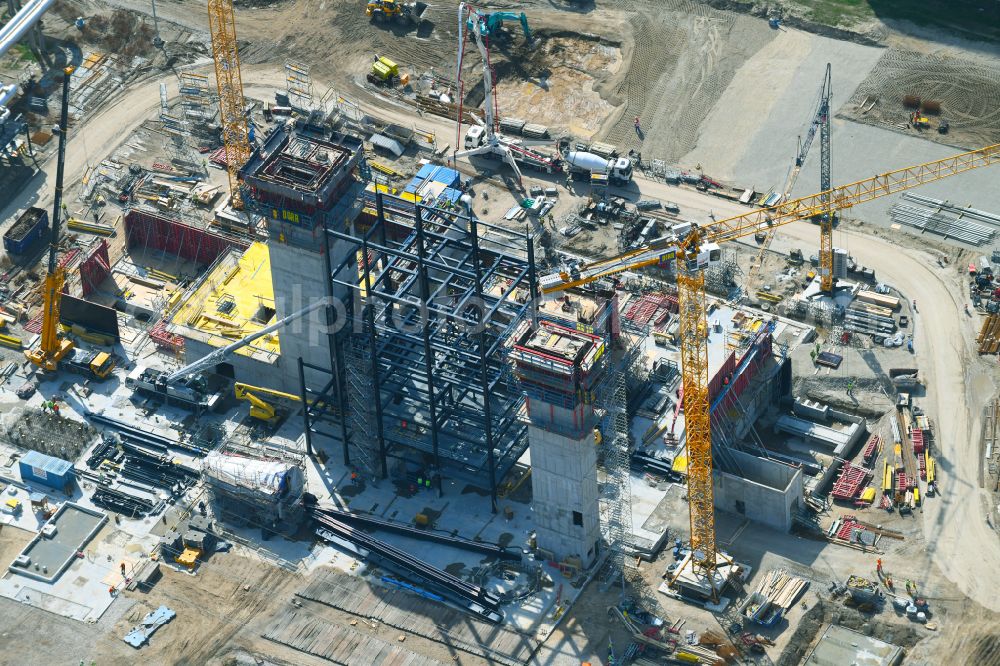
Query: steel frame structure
(229, 80)
(436, 295)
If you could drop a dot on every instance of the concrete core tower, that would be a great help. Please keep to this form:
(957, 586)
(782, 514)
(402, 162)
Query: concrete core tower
(559, 369)
(299, 182)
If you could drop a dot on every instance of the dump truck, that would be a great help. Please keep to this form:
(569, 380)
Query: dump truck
(96, 364)
(384, 72)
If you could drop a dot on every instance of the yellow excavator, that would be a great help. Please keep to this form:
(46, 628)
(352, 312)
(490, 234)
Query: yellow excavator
(392, 10)
(259, 408)
(53, 347)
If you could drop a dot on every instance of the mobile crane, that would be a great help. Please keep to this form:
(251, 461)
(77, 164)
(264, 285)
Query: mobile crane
(53, 347)
(820, 119)
(693, 249)
(186, 387)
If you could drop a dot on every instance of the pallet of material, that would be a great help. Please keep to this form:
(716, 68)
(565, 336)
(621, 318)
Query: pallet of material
(781, 588)
(829, 360)
(533, 131)
(989, 335)
(875, 298)
(871, 308)
(512, 125)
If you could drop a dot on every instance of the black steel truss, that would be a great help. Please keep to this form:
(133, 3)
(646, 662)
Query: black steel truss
(435, 295)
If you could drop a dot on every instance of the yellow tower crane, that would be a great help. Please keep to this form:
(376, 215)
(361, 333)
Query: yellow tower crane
(229, 80)
(699, 248)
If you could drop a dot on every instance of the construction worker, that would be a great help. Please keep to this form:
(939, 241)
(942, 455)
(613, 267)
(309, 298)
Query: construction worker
(878, 566)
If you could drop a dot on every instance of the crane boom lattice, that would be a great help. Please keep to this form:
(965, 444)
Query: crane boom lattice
(225, 52)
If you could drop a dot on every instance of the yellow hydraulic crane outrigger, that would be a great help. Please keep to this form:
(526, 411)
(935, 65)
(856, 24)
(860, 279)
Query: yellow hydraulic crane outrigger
(260, 408)
(229, 80)
(698, 248)
(52, 347)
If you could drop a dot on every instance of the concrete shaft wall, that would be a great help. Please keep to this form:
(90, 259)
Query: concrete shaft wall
(297, 276)
(768, 493)
(564, 488)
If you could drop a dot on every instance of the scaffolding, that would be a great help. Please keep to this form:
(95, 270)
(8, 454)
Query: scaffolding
(425, 381)
(298, 85)
(721, 279)
(615, 501)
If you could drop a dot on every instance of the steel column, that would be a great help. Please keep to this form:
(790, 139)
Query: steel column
(425, 326)
(369, 308)
(483, 377)
(305, 409)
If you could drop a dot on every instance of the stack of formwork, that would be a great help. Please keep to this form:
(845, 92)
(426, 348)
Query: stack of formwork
(872, 448)
(850, 481)
(989, 335)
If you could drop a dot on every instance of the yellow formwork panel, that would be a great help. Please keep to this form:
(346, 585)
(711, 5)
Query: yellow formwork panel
(229, 301)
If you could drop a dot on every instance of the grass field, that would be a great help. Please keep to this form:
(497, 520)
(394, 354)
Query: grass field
(969, 18)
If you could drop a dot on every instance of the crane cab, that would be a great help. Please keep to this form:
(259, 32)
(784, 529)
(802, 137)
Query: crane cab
(474, 136)
(710, 254)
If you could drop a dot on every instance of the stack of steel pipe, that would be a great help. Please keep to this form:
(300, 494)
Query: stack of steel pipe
(137, 435)
(476, 600)
(945, 219)
(123, 503)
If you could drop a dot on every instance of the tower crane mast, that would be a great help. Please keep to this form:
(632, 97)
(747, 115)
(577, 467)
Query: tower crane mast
(229, 80)
(826, 218)
(699, 248)
(820, 118)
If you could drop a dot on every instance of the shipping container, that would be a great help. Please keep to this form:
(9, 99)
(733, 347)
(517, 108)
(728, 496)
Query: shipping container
(37, 467)
(30, 226)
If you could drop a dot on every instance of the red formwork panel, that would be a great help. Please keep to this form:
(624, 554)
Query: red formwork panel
(850, 482)
(174, 237)
(872, 448)
(95, 269)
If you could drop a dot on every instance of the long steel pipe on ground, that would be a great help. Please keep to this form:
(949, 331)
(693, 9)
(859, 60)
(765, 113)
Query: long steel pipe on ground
(18, 26)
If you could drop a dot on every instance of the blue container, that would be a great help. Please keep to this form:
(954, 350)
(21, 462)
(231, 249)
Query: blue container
(48, 471)
(30, 226)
